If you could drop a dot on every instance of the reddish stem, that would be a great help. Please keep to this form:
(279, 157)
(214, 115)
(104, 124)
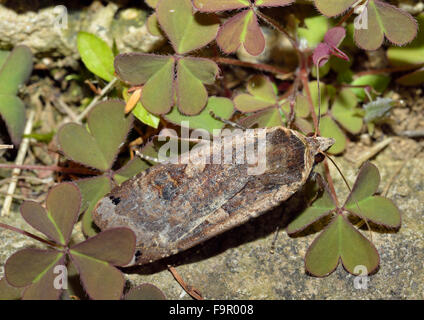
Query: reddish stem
(257, 66)
(28, 234)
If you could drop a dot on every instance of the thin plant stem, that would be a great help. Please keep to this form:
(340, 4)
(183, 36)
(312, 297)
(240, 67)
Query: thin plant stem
(49, 168)
(245, 64)
(28, 234)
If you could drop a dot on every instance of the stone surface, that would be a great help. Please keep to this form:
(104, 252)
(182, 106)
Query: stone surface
(49, 36)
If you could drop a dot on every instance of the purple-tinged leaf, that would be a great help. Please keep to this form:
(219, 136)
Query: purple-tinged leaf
(44, 288)
(332, 39)
(244, 29)
(340, 241)
(38, 218)
(12, 111)
(322, 54)
(335, 36)
(366, 184)
(216, 6)
(28, 266)
(332, 8)
(99, 147)
(381, 17)
(63, 205)
(8, 292)
(100, 280)
(191, 93)
(145, 291)
(115, 246)
(185, 30)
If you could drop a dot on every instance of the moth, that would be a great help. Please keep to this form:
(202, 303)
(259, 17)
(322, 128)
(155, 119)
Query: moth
(173, 207)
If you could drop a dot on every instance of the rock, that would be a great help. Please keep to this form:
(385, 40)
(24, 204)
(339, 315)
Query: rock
(48, 35)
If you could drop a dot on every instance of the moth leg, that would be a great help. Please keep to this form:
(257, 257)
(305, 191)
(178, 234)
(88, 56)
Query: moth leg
(230, 123)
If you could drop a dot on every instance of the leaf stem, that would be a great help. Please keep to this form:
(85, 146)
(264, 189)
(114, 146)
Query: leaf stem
(245, 64)
(28, 234)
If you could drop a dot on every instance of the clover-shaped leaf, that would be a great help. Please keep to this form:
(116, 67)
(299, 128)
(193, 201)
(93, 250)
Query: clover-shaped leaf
(380, 22)
(35, 269)
(58, 220)
(98, 148)
(262, 94)
(221, 107)
(162, 89)
(15, 69)
(243, 28)
(145, 291)
(363, 204)
(186, 31)
(340, 241)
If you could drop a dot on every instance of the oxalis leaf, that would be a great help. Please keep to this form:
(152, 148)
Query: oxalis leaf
(162, 89)
(380, 18)
(340, 241)
(186, 31)
(362, 202)
(243, 28)
(35, 269)
(98, 148)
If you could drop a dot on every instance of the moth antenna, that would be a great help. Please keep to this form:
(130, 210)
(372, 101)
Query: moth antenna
(230, 123)
(319, 98)
(350, 190)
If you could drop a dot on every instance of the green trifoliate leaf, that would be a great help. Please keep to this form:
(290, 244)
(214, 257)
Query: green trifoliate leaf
(340, 241)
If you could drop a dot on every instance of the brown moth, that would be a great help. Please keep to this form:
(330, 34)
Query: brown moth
(172, 207)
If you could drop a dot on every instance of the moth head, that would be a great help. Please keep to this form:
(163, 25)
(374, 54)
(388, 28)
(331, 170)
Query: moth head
(319, 146)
